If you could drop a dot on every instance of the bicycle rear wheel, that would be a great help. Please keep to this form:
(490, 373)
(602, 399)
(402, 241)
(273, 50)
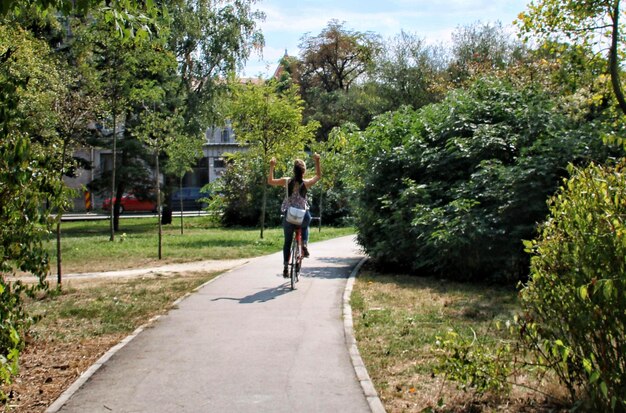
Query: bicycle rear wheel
(294, 263)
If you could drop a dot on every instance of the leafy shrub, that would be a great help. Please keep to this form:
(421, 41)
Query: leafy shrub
(454, 188)
(237, 197)
(575, 301)
(475, 365)
(29, 180)
(14, 322)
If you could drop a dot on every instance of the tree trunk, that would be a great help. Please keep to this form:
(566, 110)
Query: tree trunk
(114, 208)
(263, 207)
(59, 215)
(158, 192)
(59, 259)
(614, 60)
(166, 214)
(180, 191)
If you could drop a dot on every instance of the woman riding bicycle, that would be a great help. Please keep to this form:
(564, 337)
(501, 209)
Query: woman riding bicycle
(298, 185)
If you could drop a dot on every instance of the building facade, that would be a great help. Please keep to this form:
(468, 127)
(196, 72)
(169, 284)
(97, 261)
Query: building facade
(219, 141)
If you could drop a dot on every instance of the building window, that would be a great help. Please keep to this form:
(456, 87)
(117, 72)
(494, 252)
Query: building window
(219, 163)
(225, 136)
(106, 162)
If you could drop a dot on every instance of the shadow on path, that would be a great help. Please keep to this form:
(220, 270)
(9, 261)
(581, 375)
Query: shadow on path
(330, 268)
(261, 296)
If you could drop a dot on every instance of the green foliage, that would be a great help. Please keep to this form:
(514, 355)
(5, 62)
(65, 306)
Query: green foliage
(407, 72)
(210, 39)
(237, 197)
(337, 57)
(574, 303)
(132, 19)
(481, 49)
(474, 365)
(358, 105)
(269, 123)
(452, 189)
(30, 185)
(593, 24)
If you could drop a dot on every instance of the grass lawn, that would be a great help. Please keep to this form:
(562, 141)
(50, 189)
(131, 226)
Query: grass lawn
(86, 246)
(397, 321)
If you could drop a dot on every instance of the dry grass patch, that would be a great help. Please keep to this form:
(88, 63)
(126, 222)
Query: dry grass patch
(81, 323)
(397, 321)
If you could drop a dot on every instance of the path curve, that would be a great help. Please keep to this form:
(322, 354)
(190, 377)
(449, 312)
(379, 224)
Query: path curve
(243, 342)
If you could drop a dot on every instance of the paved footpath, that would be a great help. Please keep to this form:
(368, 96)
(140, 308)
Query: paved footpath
(244, 342)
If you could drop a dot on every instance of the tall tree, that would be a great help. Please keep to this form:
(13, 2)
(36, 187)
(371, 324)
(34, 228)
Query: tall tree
(478, 49)
(408, 72)
(592, 23)
(29, 178)
(132, 75)
(331, 65)
(76, 109)
(270, 124)
(337, 57)
(182, 153)
(210, 39)
(114, 63)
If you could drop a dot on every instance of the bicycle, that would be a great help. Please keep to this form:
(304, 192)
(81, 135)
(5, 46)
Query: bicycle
(296, 255)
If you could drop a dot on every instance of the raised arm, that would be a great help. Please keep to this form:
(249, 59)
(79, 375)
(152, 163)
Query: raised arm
(318, 172)
(270, 179)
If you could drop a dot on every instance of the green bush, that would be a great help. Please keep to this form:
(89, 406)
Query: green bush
(13, 319)
(454, 188)
(237, 197)
(29, 180)
(474, 365)
(575, 301)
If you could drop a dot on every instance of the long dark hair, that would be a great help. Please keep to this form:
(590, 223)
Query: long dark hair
(299, 167)
(298, 170)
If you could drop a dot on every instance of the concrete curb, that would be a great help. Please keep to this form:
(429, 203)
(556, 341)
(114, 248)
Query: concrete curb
(376, 406)
(67, 394)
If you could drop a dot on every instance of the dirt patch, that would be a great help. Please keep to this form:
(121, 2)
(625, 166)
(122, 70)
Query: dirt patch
(48, 368)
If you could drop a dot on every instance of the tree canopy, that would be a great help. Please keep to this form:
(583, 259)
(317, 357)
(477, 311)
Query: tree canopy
(337, 57)
(595, 23)
(269, 123)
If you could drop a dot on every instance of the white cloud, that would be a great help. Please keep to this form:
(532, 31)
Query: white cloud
(265, 65)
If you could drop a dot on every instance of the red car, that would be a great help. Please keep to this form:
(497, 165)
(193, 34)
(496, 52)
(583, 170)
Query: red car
(130, 202)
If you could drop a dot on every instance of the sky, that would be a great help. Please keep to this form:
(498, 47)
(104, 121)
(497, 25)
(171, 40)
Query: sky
(287, 21)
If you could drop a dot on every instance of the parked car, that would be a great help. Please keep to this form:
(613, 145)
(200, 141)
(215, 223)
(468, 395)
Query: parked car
(130, 202)
(190, 197)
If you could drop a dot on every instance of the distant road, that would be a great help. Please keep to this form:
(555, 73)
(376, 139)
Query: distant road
(94, 216)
